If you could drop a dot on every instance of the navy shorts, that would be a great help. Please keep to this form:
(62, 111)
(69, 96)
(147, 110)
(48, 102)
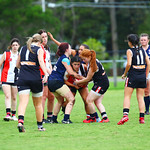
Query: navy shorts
(54, 84)
(35, 86)
(100, 88)
(135, 82)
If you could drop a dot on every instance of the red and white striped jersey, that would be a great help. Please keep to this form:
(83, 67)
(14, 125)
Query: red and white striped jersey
(8, 74)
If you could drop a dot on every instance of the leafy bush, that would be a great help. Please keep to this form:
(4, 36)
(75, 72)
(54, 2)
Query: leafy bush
(97, 47)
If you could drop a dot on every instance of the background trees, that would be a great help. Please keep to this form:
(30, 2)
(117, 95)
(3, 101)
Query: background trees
(22, 19)
(75, 25)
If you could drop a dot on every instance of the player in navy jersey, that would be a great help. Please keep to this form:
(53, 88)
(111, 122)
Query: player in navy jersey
(138, 69)
(8, 60)
(29, 61)
(144, 40)
(56, 82)
(46, 93)
(101, 83)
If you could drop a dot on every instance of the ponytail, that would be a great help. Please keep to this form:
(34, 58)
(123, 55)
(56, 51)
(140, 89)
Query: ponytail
(29, 44)
(87, 53)
(137, 48)
(93, 64)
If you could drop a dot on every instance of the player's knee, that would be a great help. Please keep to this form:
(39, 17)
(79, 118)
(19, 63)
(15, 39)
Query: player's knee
(72, 101)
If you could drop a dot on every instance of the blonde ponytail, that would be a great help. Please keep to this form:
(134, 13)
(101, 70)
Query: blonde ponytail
(29, 44)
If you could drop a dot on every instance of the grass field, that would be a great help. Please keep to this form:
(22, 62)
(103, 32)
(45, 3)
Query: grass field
(79, 136)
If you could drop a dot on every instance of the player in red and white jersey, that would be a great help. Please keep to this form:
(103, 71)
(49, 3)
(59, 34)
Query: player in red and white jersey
(8, 60)
(46, 93)
(80, 69)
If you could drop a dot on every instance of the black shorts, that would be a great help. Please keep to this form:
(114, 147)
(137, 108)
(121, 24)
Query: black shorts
(73, 89)
(100, 88)
(35, 86)
(134, 82)
(54, 84)
(11, 84)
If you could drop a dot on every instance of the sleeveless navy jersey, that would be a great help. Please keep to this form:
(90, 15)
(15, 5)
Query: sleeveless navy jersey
(98, 75)
(147, 51)
(29, 64)
(138, 65)
(58, 70)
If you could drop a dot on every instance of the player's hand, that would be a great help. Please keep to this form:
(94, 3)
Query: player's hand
(50, 35)
(76, 82)
(45, 78)
(123, 76)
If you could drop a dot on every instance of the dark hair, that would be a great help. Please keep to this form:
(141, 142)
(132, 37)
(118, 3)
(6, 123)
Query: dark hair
(62, 48)
(134, 39)
(75, 59)
(12, 41)
(40, 32)
(85, 46)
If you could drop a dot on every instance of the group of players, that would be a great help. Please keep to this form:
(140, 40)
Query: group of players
(67, 76)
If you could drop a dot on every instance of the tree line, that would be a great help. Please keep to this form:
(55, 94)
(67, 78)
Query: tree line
(75, 25)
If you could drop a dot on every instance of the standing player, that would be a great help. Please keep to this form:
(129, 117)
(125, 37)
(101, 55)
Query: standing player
(144, 40)
(29, 61)
(46, 93)
(9, 87)
(101, 83)
(56, 82)
(138, 69)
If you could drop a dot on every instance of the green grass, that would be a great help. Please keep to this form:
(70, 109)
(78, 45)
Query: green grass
(79, 136)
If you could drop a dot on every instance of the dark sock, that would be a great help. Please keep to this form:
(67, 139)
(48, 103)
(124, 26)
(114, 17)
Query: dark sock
(94, 115)
(21, 119)
(39, 124)
(43, 116)
(66, 117)
(125, 112)
(13, 113)
(54, 118)
(104, 115)
(8, 111)
(49, 115)
(146, 100)
(141, 114)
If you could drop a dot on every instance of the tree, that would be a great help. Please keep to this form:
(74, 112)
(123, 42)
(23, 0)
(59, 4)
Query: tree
(22, 19)
(98, 47)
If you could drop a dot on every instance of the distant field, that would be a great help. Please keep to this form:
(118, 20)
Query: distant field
(79, 136)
